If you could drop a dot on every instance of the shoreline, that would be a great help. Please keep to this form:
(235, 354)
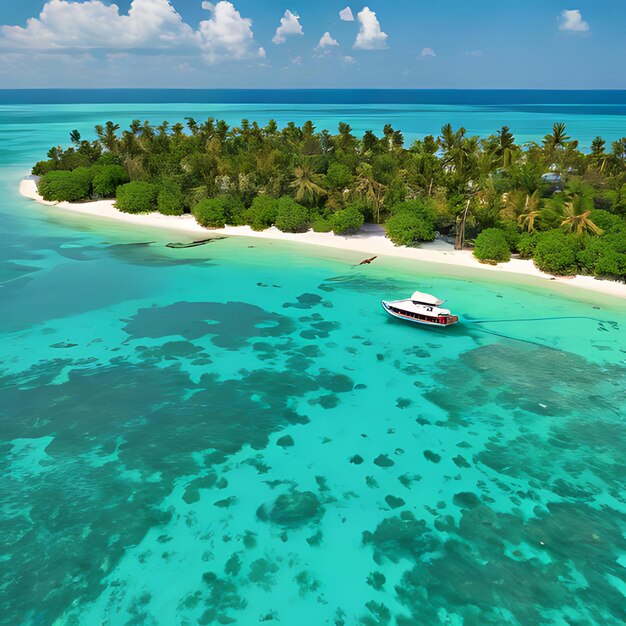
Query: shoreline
(370, 241)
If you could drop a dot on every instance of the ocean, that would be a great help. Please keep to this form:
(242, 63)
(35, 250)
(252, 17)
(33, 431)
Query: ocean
(237, 433)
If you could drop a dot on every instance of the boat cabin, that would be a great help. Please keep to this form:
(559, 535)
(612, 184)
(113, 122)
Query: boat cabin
(421, 308)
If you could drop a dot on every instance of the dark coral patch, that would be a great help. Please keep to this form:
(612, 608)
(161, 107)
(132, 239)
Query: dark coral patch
(394, 502)
(398, 537)
(262, 573)
(221, 599)
(466, 499)
(292, 509)
(157, 421)
(432, 456)
(285, 442)
(320, 330)
(460, 461)
(337, 383)
(231, 324)
(376, 580)
(226, 502)
(179, 350)
(328, 401)
(192, 490)
(304, 301)
(383, 460)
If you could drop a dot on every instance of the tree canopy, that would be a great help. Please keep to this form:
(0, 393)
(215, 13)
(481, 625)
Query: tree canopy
(297, 177)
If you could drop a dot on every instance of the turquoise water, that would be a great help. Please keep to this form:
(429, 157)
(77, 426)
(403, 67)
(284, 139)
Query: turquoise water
(236, 433)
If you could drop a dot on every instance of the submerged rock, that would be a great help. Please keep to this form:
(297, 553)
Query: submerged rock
(466, 499)
(285, 442)
(382, 460)
(432, 456)
(292, 509)
(397, 537)
(394, 502)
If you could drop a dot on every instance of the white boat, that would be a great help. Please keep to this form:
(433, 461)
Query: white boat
(421, 308)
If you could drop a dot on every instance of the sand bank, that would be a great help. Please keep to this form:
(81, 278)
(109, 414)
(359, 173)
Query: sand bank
(370, 241)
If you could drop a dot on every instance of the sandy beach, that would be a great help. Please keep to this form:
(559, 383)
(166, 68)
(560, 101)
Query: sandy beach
(370, 241)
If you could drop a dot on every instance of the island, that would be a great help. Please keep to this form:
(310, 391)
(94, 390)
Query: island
(548, 206)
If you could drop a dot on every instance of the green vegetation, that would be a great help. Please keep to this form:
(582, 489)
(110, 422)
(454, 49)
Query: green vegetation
(170, 199)
(412, 221)
(492, 246)
(346, 221)
(137, 197)
(82, 183)
(556, 252)
(526, 245)
(291, 217)
(548, 201)
(219, 211)
(406, 228)
(262, 212)
(106, 179)
(66, 185)
(320, 224)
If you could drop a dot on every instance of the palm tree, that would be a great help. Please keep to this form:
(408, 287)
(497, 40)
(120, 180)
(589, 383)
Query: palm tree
(531, 212)
(599, 157)
(107, 135)
(505, 146)
(450, 142)
(527, 220)
(135, 127)
(619, 148)
(370, 189)
(576, 217)
(192, 125)
(558, 139)
(306, 185)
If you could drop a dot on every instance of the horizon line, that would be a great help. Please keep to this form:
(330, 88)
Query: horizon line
(309, 89)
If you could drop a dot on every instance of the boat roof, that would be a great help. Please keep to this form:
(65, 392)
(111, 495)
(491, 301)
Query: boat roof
(426, 298)
(422, 309)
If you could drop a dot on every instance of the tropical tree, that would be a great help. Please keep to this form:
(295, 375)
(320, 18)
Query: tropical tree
(576, 217)
(531, 212)
(505, 147)
(107, 135)
(268, 175)
(306, 185)
(557, 139)
(368, 188)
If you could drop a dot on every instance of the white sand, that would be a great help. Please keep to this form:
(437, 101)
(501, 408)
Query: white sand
(370, 241)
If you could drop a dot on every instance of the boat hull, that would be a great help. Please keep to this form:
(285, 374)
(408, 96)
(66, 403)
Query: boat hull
(434, 323)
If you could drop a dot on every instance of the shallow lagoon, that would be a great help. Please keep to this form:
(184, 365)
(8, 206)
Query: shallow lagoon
(236, 433)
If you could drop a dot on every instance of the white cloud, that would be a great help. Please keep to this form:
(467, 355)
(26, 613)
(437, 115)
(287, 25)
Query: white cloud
(474, 53)
(289, 25)
(370, 36)
(227, 35)
(349, 59)
(346, 15)
(63, 25)
(327, 41)
(297, 61)
(571, 21)
(149, 25)
(427, 52)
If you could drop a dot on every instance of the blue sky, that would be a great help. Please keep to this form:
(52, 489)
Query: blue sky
(388, 44)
